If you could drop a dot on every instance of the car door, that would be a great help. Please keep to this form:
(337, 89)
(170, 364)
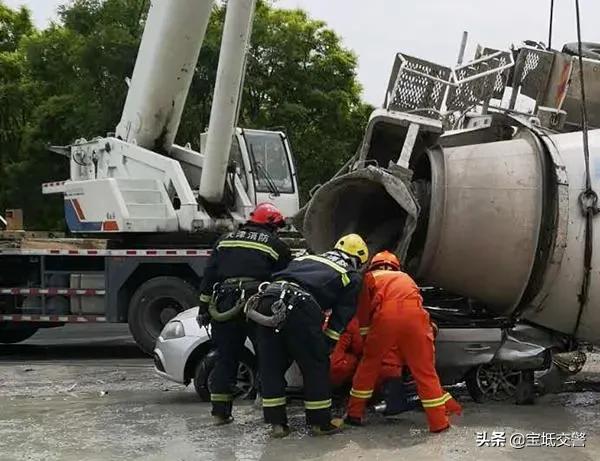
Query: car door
(460, 349)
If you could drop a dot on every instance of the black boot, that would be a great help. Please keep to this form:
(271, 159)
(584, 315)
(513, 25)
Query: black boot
(221, 420)
(352, 421)
(279, 431)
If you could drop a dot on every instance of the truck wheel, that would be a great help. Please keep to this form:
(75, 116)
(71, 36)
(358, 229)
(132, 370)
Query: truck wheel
(11, 334)
(246, 377)
(153, 304)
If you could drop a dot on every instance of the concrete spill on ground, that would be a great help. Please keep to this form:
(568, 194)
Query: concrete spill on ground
(51, 408)
(143, 417)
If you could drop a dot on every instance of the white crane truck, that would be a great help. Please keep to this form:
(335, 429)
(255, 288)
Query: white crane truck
(153, 207)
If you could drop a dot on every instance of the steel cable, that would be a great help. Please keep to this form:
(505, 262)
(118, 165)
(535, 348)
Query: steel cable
(551, 24)
(588, 198)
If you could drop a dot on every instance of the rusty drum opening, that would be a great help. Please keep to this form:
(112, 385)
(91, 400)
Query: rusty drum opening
(374, 203)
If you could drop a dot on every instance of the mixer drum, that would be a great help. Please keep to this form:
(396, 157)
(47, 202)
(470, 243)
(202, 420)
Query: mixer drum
(506, 227)
(557, 306)
(501, 223)
(484, 220)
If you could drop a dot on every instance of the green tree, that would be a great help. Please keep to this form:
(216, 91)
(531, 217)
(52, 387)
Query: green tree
(73, 81)
(302, 78)
(14, 25)
(15, 101)
(68, 82)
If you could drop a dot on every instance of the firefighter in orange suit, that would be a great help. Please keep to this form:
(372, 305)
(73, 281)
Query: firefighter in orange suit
(347, 353)
(392, 314)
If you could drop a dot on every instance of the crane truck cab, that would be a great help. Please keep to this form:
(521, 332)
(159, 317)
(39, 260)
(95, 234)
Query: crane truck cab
(264, 164)
(147, 192)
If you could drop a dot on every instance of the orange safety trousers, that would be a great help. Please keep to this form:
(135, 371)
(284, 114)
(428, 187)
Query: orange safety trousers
(346, 356)
(406, 325)
(343, 369)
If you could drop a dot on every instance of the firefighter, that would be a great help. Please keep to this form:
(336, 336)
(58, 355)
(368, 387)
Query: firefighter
(346, 356)
(391, 381)
(239, 263)
(394, 316)
(290, 313)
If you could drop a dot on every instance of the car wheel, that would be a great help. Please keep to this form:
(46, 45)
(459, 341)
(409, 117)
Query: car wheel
(495, 382)
(245, 387)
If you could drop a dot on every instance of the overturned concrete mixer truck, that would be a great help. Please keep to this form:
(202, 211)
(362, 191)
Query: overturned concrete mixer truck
(477, 178)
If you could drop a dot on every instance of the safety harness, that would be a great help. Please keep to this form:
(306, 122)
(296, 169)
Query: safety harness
(238, 287)
(289, 295)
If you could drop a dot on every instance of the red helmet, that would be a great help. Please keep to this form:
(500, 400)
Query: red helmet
(266, 213)
(384, 258)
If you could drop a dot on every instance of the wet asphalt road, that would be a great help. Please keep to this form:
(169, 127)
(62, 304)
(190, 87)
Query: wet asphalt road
(87, 393)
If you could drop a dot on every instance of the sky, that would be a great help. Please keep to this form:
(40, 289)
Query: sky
(430, 29)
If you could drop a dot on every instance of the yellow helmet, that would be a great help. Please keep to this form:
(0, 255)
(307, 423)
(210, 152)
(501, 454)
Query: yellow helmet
(354, 245)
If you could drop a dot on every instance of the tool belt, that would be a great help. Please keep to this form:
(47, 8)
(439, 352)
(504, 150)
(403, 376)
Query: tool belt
(286, 295)
(239, 288)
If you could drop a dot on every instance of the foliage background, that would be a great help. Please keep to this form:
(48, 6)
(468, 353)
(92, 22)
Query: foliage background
(68, 81)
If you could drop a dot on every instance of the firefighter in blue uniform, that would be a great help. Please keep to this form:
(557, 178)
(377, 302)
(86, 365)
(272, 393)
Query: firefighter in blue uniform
(239, 263)
(290, 314)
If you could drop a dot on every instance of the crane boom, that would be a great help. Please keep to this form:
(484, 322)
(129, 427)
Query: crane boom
(163, 72)
(228, 88)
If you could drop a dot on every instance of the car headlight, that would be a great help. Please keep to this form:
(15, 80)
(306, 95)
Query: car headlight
(173, 329)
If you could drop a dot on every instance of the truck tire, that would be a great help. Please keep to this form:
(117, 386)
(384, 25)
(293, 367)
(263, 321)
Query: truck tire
(153, 304)
(246, 378)
(588, 50)
(11, 334)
